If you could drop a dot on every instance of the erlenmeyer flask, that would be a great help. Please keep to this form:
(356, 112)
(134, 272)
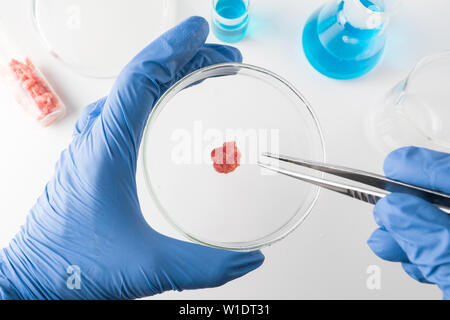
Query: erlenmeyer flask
(345, 39)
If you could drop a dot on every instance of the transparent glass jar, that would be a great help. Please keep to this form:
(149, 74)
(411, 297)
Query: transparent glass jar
(230, 19)
(28, 86)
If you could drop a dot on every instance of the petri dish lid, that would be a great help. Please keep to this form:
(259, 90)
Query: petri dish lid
(97, 38)
(250, 207)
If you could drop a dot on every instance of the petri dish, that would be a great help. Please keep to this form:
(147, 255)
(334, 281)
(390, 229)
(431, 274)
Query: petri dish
(250, 207)
(97, 38)
(414, 111)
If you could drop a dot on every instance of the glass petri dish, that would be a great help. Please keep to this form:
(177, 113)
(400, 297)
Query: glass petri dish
(97, 38)
(250, 207)
(414, 111)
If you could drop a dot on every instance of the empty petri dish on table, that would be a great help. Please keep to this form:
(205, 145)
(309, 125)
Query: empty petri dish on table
(97, 38)
(415, 111)
(246, 208)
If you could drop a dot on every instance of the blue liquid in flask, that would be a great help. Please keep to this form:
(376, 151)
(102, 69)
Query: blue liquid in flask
(230, 19)
(337, 48)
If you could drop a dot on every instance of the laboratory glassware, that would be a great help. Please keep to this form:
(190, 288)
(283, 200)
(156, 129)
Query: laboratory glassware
(230, 19)
(25, 84)
(98, 38)
(385, 185)
(345, 39)
(416, 110)
(250, 207)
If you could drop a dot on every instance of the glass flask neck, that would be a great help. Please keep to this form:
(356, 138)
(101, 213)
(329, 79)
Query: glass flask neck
(365, 14)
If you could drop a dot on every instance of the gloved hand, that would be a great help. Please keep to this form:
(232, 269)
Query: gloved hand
(89, 214)
(413, 231)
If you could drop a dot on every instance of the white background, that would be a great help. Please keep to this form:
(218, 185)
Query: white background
(327, 257)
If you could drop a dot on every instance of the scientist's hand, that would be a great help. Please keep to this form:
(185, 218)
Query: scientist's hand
(413, 231)
(88, 219)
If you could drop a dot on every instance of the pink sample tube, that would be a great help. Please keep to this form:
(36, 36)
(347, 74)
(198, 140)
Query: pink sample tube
(29, 86)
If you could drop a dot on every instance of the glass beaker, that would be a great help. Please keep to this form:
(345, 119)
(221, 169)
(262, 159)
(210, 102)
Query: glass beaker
(345, 39)
(417, 109)
(230, 19)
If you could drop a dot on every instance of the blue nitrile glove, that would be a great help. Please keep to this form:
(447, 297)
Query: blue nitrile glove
(89, 215)
(413, 231)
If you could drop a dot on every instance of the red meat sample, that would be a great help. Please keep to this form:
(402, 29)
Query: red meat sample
(226, 158)
(43, 97)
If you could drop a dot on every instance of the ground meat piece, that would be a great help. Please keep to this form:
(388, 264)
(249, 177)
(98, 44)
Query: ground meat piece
(226, 158)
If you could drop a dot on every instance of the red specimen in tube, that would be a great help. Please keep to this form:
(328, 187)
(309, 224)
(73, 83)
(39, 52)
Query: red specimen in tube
(45, 100)
(226, 158)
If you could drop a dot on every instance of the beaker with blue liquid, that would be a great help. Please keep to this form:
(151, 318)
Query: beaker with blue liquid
(345, 39)
(230, 19)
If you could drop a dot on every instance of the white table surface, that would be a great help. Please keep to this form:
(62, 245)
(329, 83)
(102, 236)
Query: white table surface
(326, 257)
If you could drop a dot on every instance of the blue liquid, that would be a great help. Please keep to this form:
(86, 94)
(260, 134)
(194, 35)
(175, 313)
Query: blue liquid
(338, 50)
(230, 9)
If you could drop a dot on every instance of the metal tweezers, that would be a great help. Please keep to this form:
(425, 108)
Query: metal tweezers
(385, 185)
